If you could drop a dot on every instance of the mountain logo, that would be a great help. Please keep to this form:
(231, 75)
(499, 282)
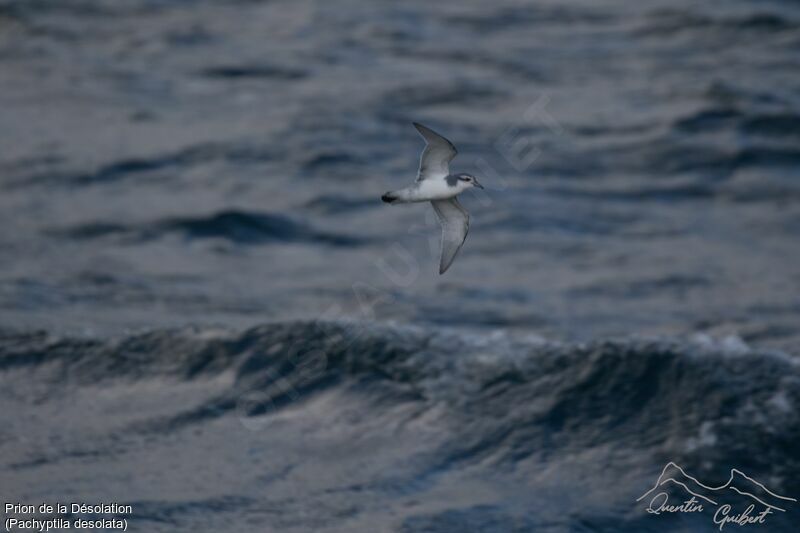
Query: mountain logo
(759, 501)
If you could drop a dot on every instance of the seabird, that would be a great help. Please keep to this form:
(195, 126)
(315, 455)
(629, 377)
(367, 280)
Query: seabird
(436, 185)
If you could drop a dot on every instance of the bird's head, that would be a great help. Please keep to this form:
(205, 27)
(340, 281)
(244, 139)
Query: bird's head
(465, 181)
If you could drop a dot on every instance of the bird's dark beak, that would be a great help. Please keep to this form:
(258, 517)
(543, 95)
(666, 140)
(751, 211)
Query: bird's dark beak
(476, 184)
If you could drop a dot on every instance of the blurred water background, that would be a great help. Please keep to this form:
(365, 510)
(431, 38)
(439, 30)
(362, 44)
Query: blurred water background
(212, 166)
(168, 162)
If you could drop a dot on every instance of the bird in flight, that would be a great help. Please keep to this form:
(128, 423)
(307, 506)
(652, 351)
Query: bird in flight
(436, 185)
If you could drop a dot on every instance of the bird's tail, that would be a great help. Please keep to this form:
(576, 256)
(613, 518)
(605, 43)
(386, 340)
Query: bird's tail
(390, 197)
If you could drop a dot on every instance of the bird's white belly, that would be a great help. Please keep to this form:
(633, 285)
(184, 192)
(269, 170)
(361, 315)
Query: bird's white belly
(435, 189)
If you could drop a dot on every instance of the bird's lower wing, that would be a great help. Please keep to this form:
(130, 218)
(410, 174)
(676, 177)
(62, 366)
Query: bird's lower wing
(455, 225)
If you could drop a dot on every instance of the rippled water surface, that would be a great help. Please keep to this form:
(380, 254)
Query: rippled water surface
(358, 428)
(215, 166)
(167, 162)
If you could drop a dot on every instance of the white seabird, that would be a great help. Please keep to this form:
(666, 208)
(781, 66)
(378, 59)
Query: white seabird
(436, 185)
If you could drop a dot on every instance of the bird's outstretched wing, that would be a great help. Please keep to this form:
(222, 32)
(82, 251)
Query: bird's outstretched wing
(455, 225)
(436, 157)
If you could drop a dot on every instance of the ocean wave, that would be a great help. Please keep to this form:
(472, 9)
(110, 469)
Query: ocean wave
(241, 227)
(38, 172)
(253, 71)
(445, 412)
(670, 21)
(720, 119)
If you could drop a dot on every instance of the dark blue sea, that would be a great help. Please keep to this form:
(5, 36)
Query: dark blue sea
(207, 313)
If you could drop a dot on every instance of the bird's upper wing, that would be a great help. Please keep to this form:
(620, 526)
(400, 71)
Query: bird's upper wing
(455, 225)
(436, 157)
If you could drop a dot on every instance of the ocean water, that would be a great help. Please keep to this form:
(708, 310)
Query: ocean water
(310, 426)
(207, 313)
